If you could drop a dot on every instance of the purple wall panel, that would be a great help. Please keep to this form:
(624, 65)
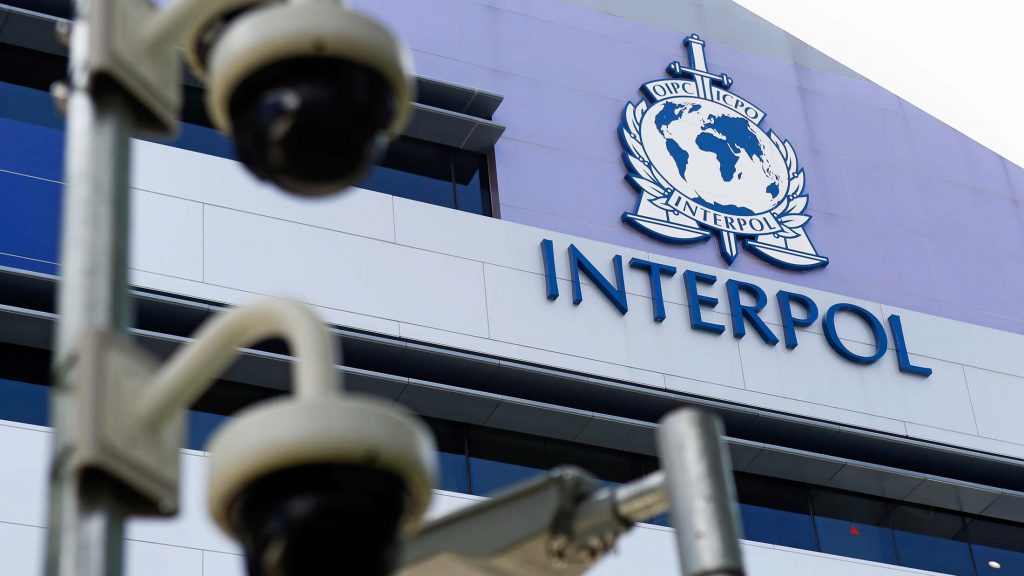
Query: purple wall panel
(911, 212)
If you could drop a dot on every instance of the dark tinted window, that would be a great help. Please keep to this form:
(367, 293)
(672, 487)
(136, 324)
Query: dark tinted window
(200, 427)
(612, 466)
(24, 402)
(453, 465)
(776, 512)
(500, 459)
(930, 539)
(997, 547)
(853, 526)
(434, 174)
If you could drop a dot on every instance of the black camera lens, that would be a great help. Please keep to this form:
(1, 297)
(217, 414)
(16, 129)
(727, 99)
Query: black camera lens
(321, 519)
(312, 125)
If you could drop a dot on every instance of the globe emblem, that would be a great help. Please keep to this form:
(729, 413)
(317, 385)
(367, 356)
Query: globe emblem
(702, 166)
(714, 155)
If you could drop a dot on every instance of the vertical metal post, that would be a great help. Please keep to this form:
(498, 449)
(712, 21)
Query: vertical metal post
(86, 522)
(701, 493)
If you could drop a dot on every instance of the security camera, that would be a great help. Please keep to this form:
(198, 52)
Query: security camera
(324, 486)
(310, 92)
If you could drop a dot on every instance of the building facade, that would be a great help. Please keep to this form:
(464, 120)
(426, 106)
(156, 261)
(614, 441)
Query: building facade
(589, 223)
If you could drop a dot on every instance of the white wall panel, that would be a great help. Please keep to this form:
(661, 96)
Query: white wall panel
(982, 443)
(396, 266)
(231, 296)
(788, 405)
(967, 344)
(25, 454)
(507, 244)
(220, 564)
(997, 400)
(167, 235)
(220, 182)
(21, 550)
(813, 372)
(776, 560)
(334, 270)
(520, 313)
(149, 559)
(541, 356)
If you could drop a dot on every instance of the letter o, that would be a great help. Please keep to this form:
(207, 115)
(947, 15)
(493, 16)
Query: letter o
(829, 325)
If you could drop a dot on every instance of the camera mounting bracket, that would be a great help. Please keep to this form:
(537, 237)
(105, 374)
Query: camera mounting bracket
(109, 374)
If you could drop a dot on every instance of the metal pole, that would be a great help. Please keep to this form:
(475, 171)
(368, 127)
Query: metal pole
(701, 493)
(86, 523)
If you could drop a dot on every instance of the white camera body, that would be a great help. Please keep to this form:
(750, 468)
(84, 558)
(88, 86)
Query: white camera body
(310, 91)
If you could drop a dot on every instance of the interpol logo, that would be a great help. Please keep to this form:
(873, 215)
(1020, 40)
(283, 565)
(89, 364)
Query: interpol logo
(701, 163)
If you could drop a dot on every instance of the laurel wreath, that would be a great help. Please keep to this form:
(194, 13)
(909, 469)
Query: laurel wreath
(646, 178)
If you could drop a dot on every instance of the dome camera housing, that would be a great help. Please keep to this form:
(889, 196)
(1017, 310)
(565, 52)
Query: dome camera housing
(311, 93)
(320, 487)
(203, 36)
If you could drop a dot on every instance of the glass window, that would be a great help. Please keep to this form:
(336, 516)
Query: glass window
(29, 219)
(24, 402)
(853, 526)
(472, 189)
(500, 459)
(416, 170)
(998, 547)
(931, 540)
(432, 173)
(201, 425)
(612, 466)
(775, 512)
(453, 465)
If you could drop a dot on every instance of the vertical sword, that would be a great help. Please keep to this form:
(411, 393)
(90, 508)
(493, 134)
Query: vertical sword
(698, 68)
(699, 71)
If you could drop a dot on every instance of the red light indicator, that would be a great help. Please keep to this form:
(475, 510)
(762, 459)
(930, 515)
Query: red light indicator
(854, 531)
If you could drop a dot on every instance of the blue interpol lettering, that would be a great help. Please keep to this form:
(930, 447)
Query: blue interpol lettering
(616, 294)
(741, 315)
(695, 300)
(790, 322)
(655, 270)
(877, 331)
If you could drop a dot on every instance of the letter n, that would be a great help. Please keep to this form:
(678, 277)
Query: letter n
(615, 294)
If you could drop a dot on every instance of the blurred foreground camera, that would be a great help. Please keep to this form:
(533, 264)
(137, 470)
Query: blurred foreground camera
(321, 487)
(311, 93)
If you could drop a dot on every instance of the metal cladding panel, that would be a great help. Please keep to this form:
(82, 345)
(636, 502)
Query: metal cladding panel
(972, 499)
(743, 452)
(538, 419)
(795, 465)
(1009, 505)
(375, 383)
(866, 445)
(538, 383)
(448, 402)
(619, 434)
(877, 480)
(448, 366)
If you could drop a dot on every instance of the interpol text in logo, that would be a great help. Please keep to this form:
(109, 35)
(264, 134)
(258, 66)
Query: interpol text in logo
(702, 165)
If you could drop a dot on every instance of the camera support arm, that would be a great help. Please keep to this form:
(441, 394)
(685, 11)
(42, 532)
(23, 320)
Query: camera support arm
(188, 374)
(562, 523)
